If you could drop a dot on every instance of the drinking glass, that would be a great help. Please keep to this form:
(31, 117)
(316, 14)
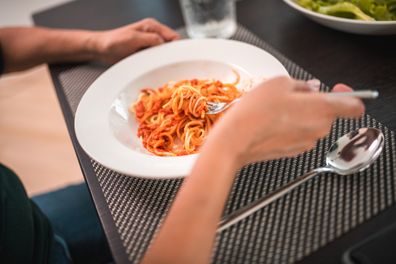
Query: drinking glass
(209, 18)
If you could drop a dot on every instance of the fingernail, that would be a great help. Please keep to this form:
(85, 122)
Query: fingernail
(314, 84)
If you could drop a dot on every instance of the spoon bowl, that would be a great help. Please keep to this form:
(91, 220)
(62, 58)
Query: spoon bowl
(355, 151)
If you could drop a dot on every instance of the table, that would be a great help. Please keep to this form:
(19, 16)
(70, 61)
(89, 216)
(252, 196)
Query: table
(364, 62)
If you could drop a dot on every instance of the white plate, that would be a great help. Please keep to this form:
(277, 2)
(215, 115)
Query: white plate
(107, 132)
(347, 25)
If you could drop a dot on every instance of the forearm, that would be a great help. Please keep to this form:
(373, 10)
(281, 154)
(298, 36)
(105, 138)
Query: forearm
(188, 232)
(23, 48)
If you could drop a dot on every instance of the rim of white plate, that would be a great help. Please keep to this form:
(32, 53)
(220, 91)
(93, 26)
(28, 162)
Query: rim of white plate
(91, 121)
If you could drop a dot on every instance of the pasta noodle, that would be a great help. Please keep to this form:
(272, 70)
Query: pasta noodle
(172, 119)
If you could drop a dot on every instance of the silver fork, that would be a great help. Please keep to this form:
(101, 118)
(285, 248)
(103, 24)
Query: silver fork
(215, 108)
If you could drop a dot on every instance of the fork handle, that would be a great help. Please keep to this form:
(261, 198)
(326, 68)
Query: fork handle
(363, 94)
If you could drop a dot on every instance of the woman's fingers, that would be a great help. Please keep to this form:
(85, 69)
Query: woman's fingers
(346, 107)
(148, 39)
(314, 85)
(341, 88)
(152, 25)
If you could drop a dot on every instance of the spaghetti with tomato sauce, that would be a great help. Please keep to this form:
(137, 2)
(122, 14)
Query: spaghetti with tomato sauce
(172, 119)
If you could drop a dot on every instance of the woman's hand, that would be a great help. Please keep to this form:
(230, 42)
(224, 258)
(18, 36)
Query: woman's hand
(280, 118)
(114, 45)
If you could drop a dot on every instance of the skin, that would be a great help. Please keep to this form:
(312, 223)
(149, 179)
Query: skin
(280, 118)
(24, 47)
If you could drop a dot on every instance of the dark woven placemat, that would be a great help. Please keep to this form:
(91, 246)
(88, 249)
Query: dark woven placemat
(296, 225)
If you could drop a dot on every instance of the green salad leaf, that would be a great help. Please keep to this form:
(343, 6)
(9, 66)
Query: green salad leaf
(368, 10)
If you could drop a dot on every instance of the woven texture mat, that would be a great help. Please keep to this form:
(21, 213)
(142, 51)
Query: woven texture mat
(287, 230)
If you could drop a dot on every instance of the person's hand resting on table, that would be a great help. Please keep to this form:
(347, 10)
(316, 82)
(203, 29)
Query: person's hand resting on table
(113, 45)
(25, 47)
(279, 118)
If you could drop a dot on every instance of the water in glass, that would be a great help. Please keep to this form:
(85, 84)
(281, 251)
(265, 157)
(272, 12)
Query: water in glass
(209, 18)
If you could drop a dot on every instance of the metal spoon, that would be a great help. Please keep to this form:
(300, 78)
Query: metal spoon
(351, 153)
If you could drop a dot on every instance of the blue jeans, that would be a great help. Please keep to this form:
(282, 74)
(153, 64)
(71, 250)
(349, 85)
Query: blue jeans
(78, 232)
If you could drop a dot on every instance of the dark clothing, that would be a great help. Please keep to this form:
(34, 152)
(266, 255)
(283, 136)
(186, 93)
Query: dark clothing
(74, 219)
(59, 227)
(1, 62)
(25, 233)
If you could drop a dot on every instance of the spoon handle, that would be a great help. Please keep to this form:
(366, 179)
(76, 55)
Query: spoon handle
(264, 201)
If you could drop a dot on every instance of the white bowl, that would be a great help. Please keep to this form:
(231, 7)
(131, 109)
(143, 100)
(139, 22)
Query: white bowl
(107, 132)
(345, 24)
